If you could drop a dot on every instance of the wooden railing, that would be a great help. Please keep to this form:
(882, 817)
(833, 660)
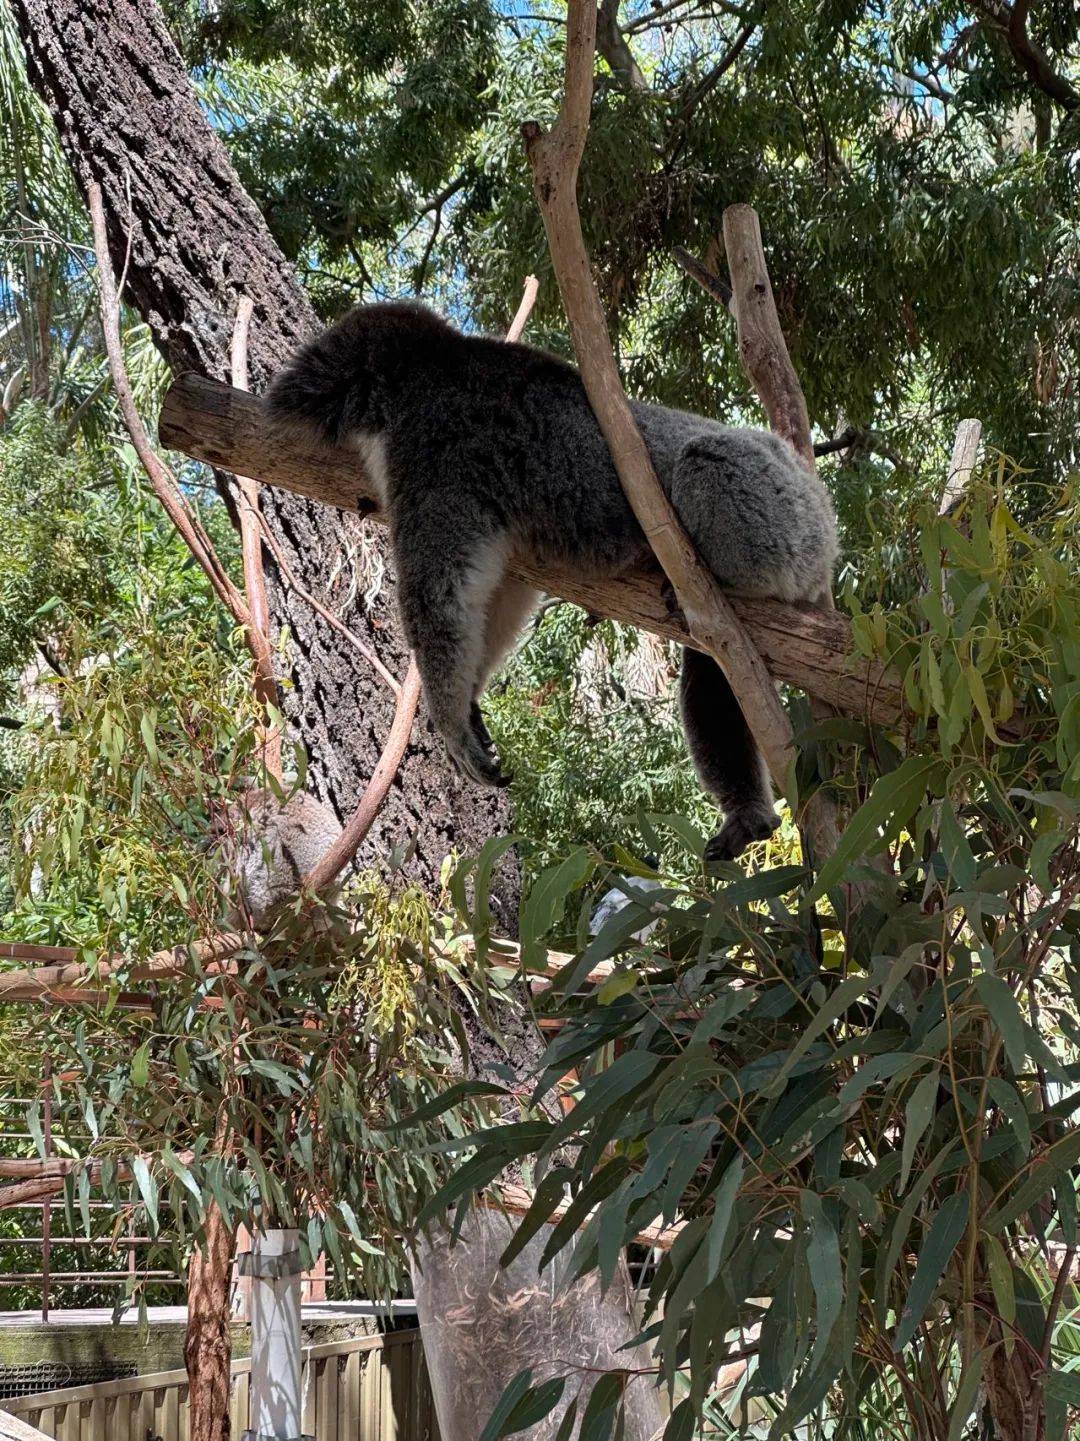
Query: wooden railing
(374, 1387)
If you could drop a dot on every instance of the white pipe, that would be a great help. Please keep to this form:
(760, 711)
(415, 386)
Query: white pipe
(274, 1268)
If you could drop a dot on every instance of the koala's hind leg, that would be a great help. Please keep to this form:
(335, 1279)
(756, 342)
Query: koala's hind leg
(446, 580)
(725, 756)
(511, 604)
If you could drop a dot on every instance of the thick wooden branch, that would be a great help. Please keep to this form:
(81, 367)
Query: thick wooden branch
(809, 649)
(761, 341)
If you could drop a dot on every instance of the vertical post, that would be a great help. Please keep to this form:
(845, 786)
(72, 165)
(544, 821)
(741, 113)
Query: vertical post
(46, 1204)
(273, 1263)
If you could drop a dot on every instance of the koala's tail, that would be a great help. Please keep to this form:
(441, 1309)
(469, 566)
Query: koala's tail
(315, 391)
(724, 752)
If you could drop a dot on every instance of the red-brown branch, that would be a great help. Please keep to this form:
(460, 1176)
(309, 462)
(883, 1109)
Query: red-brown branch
(332, 862)
(266, 686)
(159, 475)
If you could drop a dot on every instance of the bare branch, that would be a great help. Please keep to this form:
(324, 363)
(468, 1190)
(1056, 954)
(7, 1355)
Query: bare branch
(332, 620)
(1011, 23)
(965, 454)
(761, 341)
(710, 283)
(555, 158)
(711, 79)
(162, 480)
(525, 309)
(332, 862)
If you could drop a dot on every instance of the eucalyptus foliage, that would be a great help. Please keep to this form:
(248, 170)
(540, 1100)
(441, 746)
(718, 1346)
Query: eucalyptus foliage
(864, 1126)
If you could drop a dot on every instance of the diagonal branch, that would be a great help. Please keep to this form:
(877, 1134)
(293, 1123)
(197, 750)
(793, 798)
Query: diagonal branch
(555, 158)
(1010, 21)
(162, 480)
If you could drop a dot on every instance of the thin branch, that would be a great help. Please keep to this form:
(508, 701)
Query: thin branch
(555, 158)
(1011, 23)
(266, 686)
(711, 284)
(333, 861)
(163, 482)
(712, 78)
(332, 620)
(524, 310)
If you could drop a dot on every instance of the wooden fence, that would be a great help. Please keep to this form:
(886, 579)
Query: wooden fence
(369, 1388)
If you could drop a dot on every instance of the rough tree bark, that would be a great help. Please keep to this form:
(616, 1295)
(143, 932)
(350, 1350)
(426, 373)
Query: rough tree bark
(129, 120)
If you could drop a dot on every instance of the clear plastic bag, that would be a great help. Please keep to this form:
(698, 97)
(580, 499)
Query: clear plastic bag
(481, 1326)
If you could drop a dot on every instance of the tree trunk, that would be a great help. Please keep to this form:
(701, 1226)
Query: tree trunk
(207, 1344)
(129, 120)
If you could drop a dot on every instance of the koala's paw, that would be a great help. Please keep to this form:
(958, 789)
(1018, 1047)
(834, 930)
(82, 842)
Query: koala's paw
(480, 730)
(477, 759)
(740, 829)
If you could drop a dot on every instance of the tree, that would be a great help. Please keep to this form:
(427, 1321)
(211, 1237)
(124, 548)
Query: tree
(193, 244)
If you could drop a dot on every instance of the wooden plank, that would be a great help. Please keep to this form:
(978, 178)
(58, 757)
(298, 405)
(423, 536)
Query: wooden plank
(13, 1428)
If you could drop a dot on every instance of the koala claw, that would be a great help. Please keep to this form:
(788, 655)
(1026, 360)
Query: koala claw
(478, 762)
(480, 730)
(741, 829)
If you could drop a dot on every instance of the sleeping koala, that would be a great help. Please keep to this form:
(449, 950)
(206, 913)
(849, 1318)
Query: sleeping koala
(481, 450)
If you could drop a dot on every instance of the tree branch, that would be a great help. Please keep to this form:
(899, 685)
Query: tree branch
(333, 861)
(555, 158)
(1011, 23)
(164, 484)
(710, 283)
(613, 45)
(761, 341)
(266, 686)
(810, 649)
(525, 309)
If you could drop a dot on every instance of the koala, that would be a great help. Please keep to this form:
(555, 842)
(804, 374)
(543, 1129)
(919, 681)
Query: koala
(266, 846)
(481, 450)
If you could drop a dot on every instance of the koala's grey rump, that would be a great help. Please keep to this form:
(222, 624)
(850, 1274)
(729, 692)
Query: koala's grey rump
(266, 844)
(481, 449)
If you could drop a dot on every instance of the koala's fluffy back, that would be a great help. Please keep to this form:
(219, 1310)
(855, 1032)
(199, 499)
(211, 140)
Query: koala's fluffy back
(270, 845)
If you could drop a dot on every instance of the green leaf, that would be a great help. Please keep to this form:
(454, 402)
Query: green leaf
(1055, 1161)
(941, 1241)
(1001, 1279)
(140, 1066)
(966, 1393)
(846, 993)
(826, 1273)
(148, 1189)
(918, 1114)
(619, 983)
(544, 905)
(514, 1392)
(999, 1000)
(892, 801)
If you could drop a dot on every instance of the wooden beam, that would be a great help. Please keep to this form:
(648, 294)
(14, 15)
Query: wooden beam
(60, 981)
(12, 1429)
(809, 649)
